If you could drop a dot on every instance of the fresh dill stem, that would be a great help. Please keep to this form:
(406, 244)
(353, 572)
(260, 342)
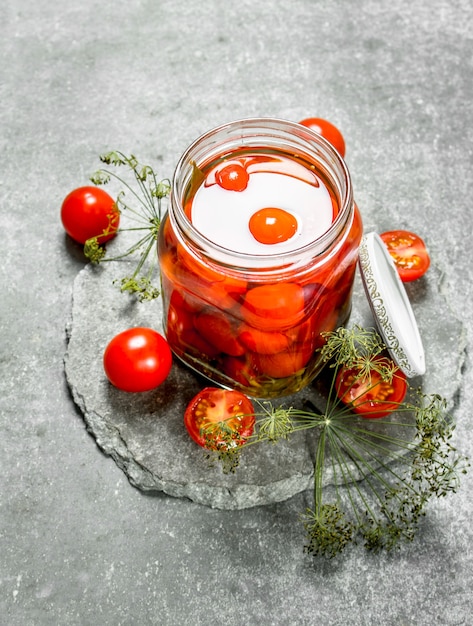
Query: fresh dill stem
(147, 193)
(385, 470)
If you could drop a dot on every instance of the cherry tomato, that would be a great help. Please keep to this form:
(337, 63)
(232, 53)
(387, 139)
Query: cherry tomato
(180, 329)
(274, 306)
(272, 225)
(370, 398)
(262, 341)
(287, 363)
(233, 177)
(137, 359)
(328, 131)
(219, 418)
(90, 212)
(217, 329)
(409, 253)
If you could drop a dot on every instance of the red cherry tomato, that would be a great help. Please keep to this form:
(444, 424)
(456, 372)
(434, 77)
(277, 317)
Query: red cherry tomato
(262, 341)
(328, 131)
(274, 306)
(409, 253)
(90, 212)
(272, 225)
(137, 359)
(284, 364)
(232, 177)
(371, 398)
(219, 418)
(217, 329)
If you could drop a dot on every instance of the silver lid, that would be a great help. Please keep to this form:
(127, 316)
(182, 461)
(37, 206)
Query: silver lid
(390, 305)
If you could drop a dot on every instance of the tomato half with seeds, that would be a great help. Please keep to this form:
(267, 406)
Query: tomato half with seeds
(218, 419)
(90, 212)
(327, 130)
(137, 359)
(409, 253)
(371, 397)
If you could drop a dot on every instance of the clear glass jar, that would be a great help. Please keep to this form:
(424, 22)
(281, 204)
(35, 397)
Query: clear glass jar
(249, 315)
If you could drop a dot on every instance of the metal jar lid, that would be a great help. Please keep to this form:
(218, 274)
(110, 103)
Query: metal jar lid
(390, 305)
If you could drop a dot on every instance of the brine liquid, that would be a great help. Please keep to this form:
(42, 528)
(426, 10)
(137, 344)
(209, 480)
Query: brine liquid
(273, 182)
(244, 328)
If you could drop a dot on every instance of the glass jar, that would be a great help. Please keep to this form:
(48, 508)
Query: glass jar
(258, 253)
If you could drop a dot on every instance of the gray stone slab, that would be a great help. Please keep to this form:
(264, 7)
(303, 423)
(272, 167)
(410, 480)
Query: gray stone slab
(144, 433)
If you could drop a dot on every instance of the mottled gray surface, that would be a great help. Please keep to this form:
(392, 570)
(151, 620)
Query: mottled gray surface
(79, 545)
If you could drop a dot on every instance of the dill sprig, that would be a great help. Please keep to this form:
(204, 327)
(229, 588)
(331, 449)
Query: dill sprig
(146, 193)
(384, 471)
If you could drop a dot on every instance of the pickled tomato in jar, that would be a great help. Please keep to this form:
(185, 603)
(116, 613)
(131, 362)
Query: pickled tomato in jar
(257, 255)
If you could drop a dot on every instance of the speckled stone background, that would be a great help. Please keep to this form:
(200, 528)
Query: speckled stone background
(79, 545)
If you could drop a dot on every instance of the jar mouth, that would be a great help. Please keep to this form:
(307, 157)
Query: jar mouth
(257, 132)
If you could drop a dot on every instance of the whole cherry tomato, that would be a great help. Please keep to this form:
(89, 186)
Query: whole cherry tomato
(219, 418)
(409, 253)
(370, 397)
(328, 131)
(232, 177)
(137, 359)
(274, 306)
(90, 212)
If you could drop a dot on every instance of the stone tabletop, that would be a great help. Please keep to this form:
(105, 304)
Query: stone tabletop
(81, 542)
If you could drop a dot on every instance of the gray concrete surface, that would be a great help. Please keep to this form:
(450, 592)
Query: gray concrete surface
(78, 544)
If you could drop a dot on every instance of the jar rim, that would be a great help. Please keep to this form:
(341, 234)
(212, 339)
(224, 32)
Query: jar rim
(277, 130)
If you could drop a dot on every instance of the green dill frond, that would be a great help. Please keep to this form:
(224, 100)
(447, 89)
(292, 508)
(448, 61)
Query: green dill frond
(276, 424)
(100, 178)
(227, 458)
(385, 471)
(93, 250)
(348, 346)
(141, 200)
(142, 287)
(328, 530)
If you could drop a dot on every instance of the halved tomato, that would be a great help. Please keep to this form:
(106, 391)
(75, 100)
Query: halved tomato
(219, 419)
(370, 397)
(409, 253)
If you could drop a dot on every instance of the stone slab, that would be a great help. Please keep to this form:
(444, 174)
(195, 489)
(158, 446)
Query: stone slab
(144, 433)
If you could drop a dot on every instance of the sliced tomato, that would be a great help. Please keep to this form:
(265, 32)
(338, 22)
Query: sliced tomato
(409, 253)
(327, 130)
(219, 418)
(370, 397)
